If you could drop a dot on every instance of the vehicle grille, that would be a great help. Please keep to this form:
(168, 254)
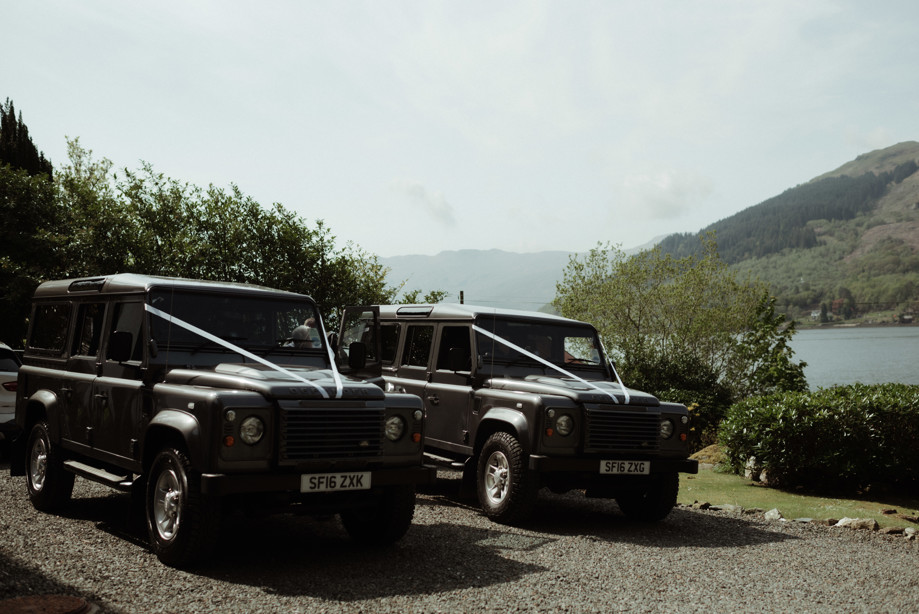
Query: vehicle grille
(326, 433)
(626, 431)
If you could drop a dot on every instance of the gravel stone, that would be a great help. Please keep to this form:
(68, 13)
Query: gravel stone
(577, 555)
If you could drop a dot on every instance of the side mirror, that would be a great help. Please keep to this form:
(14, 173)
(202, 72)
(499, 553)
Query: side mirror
(119, 346)
(357, 355)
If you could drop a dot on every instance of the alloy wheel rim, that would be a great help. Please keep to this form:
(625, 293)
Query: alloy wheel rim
(496, 477)
(167, 504)
(38, 464)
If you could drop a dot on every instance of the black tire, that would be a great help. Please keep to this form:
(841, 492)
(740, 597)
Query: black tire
(654, 502)
(386, 521)
(50, 485)
(506, 488)
(183, 525)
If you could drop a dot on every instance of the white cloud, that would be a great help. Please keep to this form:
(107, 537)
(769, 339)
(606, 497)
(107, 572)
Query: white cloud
(665, 194)
(432, 203)
(541, 117)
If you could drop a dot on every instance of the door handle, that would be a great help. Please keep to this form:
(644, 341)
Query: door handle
(434, 399)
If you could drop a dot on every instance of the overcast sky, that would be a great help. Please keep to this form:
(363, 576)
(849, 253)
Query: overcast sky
(418, 127)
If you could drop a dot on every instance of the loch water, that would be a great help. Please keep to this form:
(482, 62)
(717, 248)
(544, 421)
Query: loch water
(865, 354)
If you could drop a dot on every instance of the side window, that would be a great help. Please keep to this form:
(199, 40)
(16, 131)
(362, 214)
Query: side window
(89, 329)
(49, 328)
(417, 348)
(389, 336)
(129, 317)
(454, 337)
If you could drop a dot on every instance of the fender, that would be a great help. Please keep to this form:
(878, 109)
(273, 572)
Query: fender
(511, 417)
(176, 422)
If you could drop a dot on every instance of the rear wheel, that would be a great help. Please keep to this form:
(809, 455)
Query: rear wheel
(507, 489)
(653, 502)
(386, 521)
(50, 485)
(182, 523)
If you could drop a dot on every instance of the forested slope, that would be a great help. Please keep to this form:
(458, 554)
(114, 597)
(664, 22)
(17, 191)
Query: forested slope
(846, 242)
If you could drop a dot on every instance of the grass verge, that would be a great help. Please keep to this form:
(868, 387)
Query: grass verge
(709, 486)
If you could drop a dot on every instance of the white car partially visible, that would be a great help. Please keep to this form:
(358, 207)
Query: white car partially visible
(9, 371)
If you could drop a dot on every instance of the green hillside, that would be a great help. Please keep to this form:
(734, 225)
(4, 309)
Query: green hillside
(846, 242)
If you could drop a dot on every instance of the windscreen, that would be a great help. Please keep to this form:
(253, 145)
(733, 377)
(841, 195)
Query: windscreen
(258, 324)
(513, 342)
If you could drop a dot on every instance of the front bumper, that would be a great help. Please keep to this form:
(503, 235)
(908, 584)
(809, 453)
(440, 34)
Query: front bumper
(220, 484)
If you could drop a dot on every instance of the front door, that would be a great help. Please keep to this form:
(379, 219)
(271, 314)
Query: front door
(360, 331)
(448, 397)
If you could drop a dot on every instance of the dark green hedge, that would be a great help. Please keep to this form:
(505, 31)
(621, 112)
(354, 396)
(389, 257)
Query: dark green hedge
(841, 438)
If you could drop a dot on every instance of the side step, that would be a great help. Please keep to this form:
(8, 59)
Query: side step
(118, 482)
(443, 461)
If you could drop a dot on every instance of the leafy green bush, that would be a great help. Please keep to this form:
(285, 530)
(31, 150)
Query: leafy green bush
(841, 438)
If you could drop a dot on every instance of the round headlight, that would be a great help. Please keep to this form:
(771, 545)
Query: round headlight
(395, 426)
(666, 428)
(564, 425)
(251, 430)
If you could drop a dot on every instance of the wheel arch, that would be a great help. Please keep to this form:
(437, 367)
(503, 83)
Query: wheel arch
(172, 428)
(42, 405)
(503, 419)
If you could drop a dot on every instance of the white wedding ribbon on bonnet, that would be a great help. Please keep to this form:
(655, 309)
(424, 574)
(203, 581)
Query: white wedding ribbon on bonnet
(554, 366)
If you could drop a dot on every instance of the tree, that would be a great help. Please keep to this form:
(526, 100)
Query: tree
(413, 297)
(688, 317)
(16, 147)
(30, 240)
(30, 233)
(153, 224)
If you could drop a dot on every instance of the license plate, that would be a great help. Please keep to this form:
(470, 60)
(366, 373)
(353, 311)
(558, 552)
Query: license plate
(625, 467)
(334, 482)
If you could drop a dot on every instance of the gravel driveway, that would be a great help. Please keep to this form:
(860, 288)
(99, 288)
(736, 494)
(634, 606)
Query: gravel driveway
(578, 556)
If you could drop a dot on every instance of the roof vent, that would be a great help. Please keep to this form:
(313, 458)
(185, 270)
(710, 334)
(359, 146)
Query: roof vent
(87, 285)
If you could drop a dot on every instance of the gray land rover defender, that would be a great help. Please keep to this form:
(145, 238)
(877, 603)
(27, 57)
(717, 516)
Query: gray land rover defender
(525, 400)
(199, 397)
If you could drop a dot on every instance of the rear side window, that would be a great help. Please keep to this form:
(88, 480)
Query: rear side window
(417, 349)
(49, 328)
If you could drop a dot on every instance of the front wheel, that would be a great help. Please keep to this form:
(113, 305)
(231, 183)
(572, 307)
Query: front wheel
(506, 488)
(50, 485)
(386, 521)
(653, 502)
(183, 524)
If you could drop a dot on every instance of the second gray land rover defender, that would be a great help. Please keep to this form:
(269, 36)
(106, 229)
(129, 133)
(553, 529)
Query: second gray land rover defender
(525, 400)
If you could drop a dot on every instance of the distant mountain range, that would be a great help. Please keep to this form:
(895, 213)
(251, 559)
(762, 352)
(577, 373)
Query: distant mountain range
(847, 239)
(486, 277)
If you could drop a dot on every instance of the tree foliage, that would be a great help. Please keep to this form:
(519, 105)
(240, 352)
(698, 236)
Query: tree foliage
(782, 222)
(16, 147)
(683, 328)
(93, 221)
